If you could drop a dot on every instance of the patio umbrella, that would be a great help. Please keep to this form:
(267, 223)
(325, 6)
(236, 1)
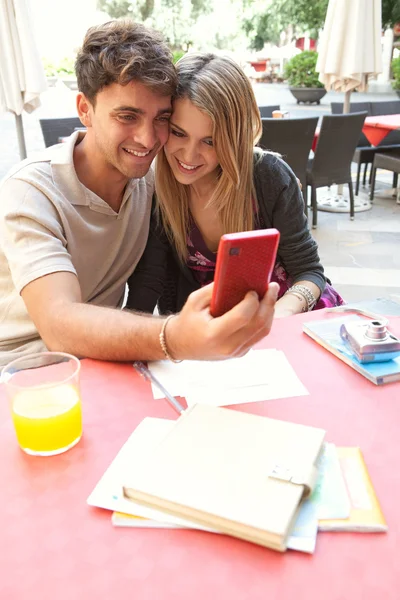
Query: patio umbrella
(349, 54)
(350, 51)
(22, 77)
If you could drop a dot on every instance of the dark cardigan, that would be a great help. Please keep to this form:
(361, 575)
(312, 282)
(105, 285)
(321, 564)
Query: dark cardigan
(161, 279)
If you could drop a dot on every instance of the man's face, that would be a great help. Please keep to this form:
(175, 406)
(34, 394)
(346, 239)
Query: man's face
(129, 125)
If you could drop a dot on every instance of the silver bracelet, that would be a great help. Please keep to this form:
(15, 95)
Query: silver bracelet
(306, 293)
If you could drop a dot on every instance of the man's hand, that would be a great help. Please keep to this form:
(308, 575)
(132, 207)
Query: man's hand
(67, 324)
(195, 334)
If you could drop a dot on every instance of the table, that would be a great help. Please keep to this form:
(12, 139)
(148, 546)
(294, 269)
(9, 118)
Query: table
(56, 547)
(377, 128)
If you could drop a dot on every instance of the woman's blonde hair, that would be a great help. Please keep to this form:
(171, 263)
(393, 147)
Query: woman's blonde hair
(218, 87)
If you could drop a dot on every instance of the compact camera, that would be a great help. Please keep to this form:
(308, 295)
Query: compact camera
(370, 341)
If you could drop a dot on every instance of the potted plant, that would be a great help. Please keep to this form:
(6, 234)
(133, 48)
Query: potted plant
(50, 71)
(303, 79)
(66, 71)
(396, 75)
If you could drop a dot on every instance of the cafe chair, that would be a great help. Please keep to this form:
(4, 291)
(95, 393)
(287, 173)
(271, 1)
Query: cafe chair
(366, 155)
(391, 143)
(389, 162)
(365, 152)
(388, 107)
(266, 111)
(334, 152)
(292, 139)
(54, 129)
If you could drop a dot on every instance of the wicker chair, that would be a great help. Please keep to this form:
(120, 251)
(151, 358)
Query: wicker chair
(331, 164)
(292, 138)
(53, 129)
(389, 162)
(266, 111)
(365, 152)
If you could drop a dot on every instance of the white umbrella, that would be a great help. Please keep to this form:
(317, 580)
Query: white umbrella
(350, 52)
(22, 77)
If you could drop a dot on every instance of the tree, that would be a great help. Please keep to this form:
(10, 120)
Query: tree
(174, 18)
(303, 16)
(390, 13)
(139, 10)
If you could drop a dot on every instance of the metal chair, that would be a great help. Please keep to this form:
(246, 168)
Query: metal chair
(266, 111)
(331, 165)
(53, 129)
(389, 162)
(292, 138)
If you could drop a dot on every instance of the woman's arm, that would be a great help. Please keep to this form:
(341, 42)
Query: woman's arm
(281, 203)
(146, 283)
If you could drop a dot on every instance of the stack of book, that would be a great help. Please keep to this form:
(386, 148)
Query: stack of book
(271, 482)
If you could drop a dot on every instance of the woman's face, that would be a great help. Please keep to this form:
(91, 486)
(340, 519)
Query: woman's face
(189, 150)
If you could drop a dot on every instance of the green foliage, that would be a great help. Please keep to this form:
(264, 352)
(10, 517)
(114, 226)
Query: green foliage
(300, 70)
(139, 10)
(174, 18)
(390, 13)
(304, 16)
(263, 28)
(177, 54)
(50, 68)
(396, 73)
(64, 68)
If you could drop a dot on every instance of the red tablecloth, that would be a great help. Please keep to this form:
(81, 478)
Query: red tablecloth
(55, 547)
(374, 128)
(377, 128)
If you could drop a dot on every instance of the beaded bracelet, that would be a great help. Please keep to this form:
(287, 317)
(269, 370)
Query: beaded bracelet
(163, 342)
(305, 293)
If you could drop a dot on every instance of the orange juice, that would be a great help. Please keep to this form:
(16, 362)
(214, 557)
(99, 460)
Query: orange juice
(47, 420)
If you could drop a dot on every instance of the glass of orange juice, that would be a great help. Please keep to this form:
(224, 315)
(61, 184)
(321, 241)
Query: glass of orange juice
(43, 390)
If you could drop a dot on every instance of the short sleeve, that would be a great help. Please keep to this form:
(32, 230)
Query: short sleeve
(32, 237)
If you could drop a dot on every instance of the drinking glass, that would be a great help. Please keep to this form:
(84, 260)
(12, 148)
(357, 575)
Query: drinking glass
(43, 390)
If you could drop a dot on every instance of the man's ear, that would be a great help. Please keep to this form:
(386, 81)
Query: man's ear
(85, 109)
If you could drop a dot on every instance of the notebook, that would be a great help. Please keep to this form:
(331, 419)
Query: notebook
(240, 474)
(327, 334)
(365, 512)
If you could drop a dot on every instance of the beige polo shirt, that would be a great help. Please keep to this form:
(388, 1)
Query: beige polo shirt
(50, 222)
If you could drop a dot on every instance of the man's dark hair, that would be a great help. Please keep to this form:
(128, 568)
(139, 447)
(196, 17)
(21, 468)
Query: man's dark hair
(122, 51)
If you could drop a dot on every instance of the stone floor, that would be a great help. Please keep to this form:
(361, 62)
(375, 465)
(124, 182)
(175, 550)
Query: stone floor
(361, 257)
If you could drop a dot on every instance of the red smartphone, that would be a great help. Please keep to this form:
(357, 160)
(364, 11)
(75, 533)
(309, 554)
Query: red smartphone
(245, 262)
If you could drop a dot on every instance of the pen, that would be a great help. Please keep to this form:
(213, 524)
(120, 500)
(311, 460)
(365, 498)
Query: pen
(147, 374)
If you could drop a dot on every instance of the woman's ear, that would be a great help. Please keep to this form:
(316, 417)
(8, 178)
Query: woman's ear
(84, 108)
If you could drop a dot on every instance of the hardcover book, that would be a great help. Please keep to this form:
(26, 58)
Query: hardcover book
(237, 473)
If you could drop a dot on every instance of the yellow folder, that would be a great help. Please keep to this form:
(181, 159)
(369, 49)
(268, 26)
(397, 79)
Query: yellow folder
(234, 472)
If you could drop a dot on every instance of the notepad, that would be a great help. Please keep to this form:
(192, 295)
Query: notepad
(233, 472)
(365, 511)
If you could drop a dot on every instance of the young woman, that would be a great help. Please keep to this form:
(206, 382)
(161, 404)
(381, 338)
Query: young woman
(211, 180)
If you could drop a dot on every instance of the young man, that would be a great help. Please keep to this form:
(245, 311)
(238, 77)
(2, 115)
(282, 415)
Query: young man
(74, 222)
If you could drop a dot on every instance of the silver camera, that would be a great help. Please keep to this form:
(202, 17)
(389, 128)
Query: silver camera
(370, 341)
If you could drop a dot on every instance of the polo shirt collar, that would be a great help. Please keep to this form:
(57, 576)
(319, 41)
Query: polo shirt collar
(65, 177)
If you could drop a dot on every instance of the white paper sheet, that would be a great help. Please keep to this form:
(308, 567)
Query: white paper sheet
(260, 375)
(108, 491)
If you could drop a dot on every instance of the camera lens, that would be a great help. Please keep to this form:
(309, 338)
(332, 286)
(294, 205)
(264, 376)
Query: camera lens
(376, 331)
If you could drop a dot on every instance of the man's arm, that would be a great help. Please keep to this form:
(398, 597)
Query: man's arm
(66, 324)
